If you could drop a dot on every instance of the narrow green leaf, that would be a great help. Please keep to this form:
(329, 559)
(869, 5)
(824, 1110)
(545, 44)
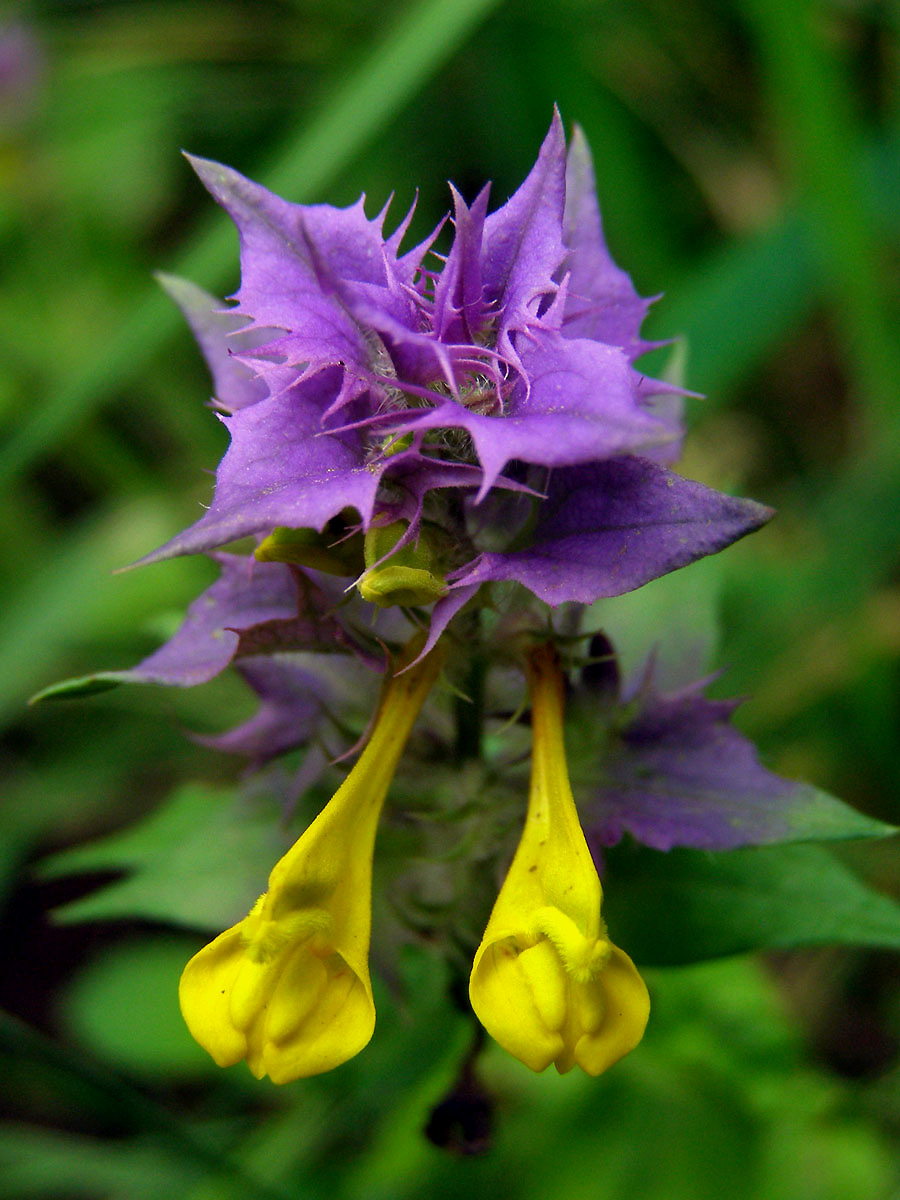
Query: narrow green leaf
(359, 106)
(736, 306)
(35, 1163)
(810, 93)
(814, 815)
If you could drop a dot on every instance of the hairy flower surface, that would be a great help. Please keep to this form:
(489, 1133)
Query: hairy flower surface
(547, 983)
(360, 384)
(288, 988)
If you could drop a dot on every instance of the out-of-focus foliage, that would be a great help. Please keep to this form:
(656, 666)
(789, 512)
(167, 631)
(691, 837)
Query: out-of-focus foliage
(748, 161)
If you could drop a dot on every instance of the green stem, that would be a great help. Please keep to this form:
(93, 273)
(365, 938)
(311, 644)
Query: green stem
(469, 707)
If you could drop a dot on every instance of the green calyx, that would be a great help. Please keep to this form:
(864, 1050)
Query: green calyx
(412, 576)
(331, 551)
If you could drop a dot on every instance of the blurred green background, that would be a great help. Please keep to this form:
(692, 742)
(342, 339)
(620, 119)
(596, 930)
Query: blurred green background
(748, 162)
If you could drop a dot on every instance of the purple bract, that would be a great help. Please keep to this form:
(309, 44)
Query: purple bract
(355, 379)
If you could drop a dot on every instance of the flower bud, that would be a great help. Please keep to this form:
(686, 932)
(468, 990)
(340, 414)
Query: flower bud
(410, 576)
(332, 551)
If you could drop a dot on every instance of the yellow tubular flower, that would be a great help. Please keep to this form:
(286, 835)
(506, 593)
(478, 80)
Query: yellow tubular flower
(547, 983)
(288, 988)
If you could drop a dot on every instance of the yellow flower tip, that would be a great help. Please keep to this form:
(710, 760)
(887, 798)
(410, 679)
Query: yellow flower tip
(542, 1012)
(282, 998)
(547, 983)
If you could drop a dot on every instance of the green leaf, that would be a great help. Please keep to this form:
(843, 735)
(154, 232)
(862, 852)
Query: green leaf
(689, 905)
(200, 860)
(134, 985)
(161, 1161)
(71, 597)
(673, 619)
(816, 816)
(39, 1162)
(810, 92)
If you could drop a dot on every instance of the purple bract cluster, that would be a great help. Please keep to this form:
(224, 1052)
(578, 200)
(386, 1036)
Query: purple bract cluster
(353, 377)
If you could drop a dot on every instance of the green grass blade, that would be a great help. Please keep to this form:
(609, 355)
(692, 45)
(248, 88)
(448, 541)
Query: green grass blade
(809, 94)
(356, 111)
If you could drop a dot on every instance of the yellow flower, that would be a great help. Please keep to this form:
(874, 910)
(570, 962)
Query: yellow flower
(288, 988)
(547, 983)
